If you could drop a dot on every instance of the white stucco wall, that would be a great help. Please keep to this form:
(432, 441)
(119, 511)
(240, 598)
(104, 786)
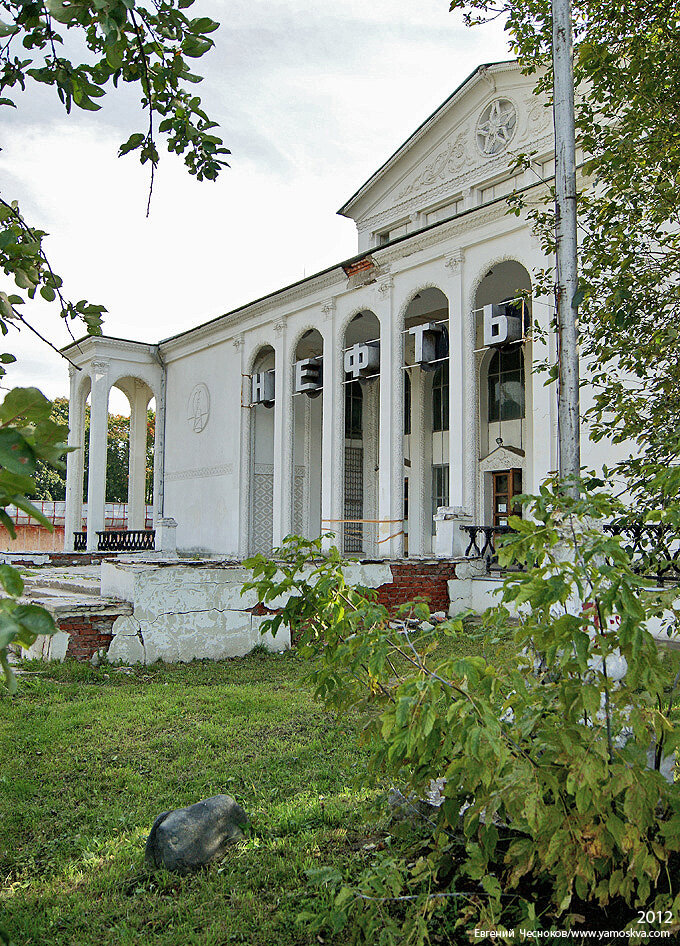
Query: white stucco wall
(183, 612)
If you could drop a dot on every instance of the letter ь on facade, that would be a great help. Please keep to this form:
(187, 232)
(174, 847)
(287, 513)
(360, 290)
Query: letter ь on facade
(499, 327)
(362, 359)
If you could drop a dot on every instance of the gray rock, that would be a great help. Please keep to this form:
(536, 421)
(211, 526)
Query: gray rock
(188, 838)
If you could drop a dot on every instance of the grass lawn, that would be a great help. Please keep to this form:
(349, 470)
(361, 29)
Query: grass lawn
(88, 758)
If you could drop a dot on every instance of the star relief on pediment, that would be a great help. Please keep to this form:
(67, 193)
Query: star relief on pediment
(496, 127)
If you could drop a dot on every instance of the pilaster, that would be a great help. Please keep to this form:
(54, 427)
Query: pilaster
(332, 427)
(391, 448)
(245, 449)
(283, 438)
(462, 414)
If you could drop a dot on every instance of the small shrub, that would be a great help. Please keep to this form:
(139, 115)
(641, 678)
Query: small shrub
(553, 791)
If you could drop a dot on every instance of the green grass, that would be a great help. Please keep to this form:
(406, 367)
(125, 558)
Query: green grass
(90, 757)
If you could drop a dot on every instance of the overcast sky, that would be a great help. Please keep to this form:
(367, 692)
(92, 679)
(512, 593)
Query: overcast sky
(311, 99)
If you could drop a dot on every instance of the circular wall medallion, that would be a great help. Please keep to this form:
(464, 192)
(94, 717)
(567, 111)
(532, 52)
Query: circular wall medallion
(496, 127)
(198, 408)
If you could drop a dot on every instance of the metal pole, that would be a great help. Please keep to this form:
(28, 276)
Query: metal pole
(567, 250)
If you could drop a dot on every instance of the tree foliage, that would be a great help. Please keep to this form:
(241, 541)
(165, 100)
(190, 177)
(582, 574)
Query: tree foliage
(28, 436)
(550, 770)
(84, 49)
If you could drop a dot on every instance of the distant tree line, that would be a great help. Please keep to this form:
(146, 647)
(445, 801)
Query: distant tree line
(51, 481)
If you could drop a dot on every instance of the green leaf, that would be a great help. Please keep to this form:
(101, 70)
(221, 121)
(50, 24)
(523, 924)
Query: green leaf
(27, 403)
(9, 630)
(34, 619)
(196, 46)
(203, 24)
(16, 454)
(11, 580)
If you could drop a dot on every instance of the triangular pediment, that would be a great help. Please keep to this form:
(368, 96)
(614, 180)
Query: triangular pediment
(474, 137)
(502, 458)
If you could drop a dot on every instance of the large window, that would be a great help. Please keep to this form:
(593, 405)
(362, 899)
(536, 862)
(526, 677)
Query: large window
(506, 384)
(353, 402)
(440, 488)
(440, 397)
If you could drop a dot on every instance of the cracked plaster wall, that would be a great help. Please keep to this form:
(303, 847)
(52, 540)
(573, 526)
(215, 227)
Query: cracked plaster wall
(182, 612)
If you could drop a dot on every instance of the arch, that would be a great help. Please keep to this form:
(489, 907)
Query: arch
(261, 465)
(501, 433)
(359, 453)
(307, 450)
(345, 322)
(256, 355)
(427, 444)
(414, 292)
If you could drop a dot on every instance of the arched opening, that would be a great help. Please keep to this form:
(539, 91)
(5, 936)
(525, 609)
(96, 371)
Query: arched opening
(124, 463)
(426, 416)
(262, 453)
(308, 381)
(503, 318)
(361, 400)
(130, 453)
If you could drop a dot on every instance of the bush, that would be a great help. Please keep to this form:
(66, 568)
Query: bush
(553, 801)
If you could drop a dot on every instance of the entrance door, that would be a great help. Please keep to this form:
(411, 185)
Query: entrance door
(506, 485)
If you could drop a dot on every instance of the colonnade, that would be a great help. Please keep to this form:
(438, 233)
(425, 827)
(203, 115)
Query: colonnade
(94, 379)
(388, 299)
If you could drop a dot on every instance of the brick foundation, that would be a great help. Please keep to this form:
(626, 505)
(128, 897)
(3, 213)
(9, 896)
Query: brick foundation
(88, 633)
(427, 579)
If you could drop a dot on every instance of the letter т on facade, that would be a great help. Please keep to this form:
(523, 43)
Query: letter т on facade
(566, 241)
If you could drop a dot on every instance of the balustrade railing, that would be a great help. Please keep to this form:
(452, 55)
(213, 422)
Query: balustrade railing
(118, 540)
(654, 549)
(482, 542)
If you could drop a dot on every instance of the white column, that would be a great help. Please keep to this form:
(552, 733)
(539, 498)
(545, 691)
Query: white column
(75, 460)
(283, 438)
(96, 479)
(462, 413)
(159, 452)
(332, 432)
(139, 402)
(391, 447)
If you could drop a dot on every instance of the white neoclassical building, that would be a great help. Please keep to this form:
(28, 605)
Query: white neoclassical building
(360, 400)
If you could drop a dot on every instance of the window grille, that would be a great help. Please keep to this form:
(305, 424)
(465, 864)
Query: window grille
(440, 397)
(353, 532)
